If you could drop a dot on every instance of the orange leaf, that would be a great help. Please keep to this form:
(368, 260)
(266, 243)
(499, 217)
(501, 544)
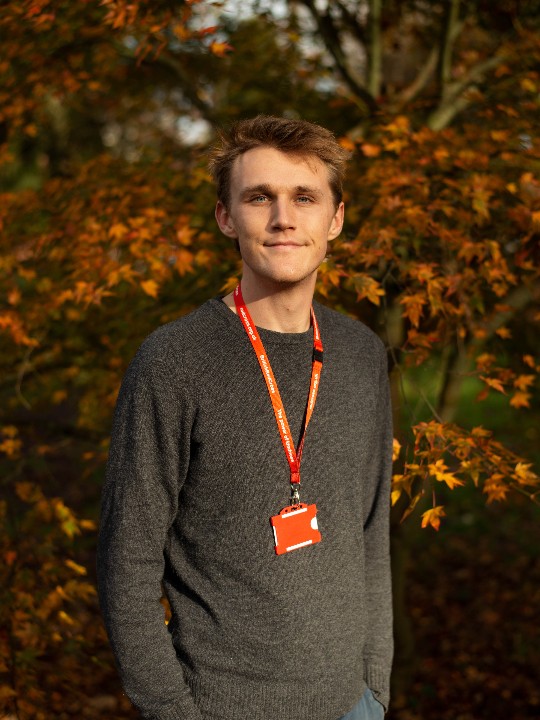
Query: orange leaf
(413, 307)
(220, 49)
(150, 287)
(346, 143)
(371, 150)
(520, 399)
(522, 382)
(494, 383)
(433, 517)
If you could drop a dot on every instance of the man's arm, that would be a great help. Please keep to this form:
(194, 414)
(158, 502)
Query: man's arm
(144, 473)
(378, 650)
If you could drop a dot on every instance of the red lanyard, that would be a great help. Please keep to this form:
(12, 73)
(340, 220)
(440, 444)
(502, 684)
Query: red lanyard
(294, 456)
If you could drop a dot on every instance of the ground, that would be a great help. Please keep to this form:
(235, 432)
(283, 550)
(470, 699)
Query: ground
(473, 598)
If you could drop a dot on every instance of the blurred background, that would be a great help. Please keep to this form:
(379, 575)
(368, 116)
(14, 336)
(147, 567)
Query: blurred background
(107, 109)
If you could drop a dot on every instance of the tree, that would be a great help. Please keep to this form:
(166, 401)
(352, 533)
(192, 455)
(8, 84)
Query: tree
(105, 233)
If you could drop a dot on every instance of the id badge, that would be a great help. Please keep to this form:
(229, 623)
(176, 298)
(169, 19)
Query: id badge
(295, 527)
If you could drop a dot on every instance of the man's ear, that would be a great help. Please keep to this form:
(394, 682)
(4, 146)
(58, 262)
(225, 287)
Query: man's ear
(225, 221)
(337, 222)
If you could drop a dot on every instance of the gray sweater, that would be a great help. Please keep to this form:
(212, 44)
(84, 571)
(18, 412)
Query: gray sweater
(196, 469)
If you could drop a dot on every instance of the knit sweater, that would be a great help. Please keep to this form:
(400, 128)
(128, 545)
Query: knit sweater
(196, 469)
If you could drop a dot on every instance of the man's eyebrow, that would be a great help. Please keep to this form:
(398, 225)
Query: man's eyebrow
(265, 189)
(262, 189)
(307, 190)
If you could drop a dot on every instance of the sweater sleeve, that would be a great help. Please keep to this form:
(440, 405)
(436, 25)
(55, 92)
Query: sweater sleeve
(378, 650)
(148, 460)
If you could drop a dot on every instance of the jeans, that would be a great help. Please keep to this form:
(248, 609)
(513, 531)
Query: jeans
(367, 708)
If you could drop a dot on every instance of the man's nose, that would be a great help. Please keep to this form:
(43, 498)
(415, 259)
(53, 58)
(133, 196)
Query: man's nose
(282, 214)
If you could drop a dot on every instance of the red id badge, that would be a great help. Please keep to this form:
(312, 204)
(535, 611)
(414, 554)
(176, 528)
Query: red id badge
(295, 527)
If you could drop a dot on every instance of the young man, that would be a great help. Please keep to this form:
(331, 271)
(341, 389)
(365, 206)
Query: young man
(271, 542)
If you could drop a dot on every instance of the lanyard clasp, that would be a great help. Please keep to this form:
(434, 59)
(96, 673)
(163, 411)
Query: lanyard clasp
(295, 493)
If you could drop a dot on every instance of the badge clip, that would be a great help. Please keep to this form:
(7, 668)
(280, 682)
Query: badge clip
(295, 494)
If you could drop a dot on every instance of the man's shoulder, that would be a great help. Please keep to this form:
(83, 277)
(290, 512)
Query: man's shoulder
(177, 341)
(349, 332)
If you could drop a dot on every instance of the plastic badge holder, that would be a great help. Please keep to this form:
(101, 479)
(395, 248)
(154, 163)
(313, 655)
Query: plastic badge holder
(295, 527)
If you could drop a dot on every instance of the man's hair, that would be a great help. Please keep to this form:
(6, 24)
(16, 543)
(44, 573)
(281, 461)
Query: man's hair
(295, 137)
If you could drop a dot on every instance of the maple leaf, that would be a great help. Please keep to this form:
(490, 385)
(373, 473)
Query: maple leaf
(220, 49)
(118, 231)
(413, 307)
(494, 488)
(494, 383)
(369, 288)
(524, 475)
(484, 361)
(347, 144)
(433, 517)
(522, 382)
(370, 150)
(150, 287)
(184, 261)
(520, 399)
(439, 471)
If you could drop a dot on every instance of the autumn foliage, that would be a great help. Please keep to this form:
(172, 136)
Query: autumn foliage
(101, 243)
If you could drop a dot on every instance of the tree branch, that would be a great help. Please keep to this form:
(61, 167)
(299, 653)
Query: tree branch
(447, 43)
(426, 72)
(462, 366)
(452, 104)
(353, 26)
(330, 36)
(191, 90)
(375, 49)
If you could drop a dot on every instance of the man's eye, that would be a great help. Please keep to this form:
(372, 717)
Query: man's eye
(259, 198)
(303, 199)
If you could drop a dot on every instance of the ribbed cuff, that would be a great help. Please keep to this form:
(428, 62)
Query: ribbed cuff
(378, 681)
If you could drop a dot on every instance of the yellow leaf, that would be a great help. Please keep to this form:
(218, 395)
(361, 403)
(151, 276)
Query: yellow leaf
(522, 382)
(520, 399)
(371, 150)
(220, 49)
(28, 492)
(79, 569)
(184, 262)
(65, 618)
(413, 307)
(439, 471)
(118, 231)
(504, 333)
(494, 488)
(346, 143)
(59, 396)
(396, 449)
(433, 517)
(10, 431)
(150, 287)
(494, 383)
(524, 475)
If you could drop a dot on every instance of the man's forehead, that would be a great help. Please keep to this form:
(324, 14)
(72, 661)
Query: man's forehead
(267, 165)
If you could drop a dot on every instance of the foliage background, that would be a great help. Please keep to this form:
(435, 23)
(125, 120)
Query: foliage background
(106, 231)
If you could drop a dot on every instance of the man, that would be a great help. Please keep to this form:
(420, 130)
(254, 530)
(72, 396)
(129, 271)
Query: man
(271, 542)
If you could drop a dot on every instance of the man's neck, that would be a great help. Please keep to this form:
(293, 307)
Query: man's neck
(284, 309)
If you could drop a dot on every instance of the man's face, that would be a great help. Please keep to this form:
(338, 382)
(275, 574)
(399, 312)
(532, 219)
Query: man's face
(282, 214)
